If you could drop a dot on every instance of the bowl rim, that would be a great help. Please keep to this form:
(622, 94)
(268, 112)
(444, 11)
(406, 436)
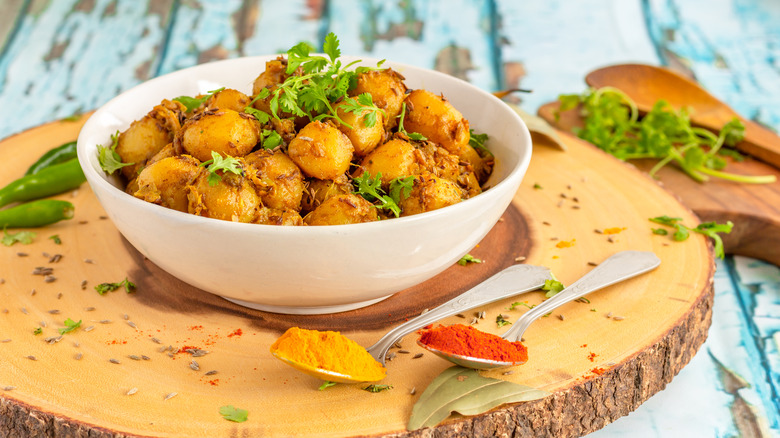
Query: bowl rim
(99, 179)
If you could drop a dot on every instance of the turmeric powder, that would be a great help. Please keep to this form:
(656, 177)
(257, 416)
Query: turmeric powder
(330, 351)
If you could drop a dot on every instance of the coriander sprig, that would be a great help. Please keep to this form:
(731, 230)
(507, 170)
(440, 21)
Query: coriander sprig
(709, 229)
(193, 102)
(225, 164)
(322, 82)
(371, 190)
(412, 135)
(611, 122)
(109, 158)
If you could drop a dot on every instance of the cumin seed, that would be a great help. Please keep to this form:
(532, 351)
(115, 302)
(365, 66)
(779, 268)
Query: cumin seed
(417, 356)
(144, 357)
(89, 309)
(83, 284)
(211, 373)
(546, 223)
(592, 264)
(506, 373)
(22, 254)
(598, 231)
(126, 316)
(474, 321)
(23, 310)
(42, 324)
(4, 341)
(32, 293)
(611, 239)
(618, 318)
(132, 391)
(520, 259)
(8, 388)
(59, 295)
(561, 317)
(194, 365)
(170, 396)
(132, 324)
(609, 315)
(31, 357)
(78, 356)
(403, 351)
(55, 258)
(54, 311)
(460, 315)
(481, 315)
(134, 357)
(156, 341)
(575, 207)
(413, 391)
(112, 360)
(390, 356)
(89, 329)
(90, 261)
(105, 321)
(49, 279)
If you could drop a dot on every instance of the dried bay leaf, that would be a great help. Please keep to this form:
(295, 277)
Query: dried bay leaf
(465, 391)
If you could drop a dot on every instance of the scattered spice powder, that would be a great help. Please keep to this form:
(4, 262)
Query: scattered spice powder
(565, 244)
(236, 332)
(598, 371)
(468, 341)
(592, 356)
(613, 230)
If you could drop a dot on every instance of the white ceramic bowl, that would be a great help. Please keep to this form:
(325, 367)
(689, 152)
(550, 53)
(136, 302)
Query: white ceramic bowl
(305, 270)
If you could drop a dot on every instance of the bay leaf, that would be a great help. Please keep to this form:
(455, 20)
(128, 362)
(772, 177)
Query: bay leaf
(539, 126)
(466, 392)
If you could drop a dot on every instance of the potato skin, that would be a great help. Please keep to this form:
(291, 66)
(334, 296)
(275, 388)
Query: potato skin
(321, 151)
(273, 216)
(278, 180)
(364, 138)
(228, 98)
(146, 137)
(396, 158)
(233, 198)
(434, 117)
(341, 210)
(164, 182)
(318, 191)
(225, 131)
(387, 90)
(430, 193)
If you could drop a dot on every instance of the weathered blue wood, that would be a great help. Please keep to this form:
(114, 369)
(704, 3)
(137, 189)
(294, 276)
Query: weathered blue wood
(68, 57)
(732, 49)
(553, 44)
(13, 12)
(451, 36)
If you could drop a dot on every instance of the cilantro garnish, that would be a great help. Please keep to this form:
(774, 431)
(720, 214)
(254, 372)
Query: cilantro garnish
(322, 81)
(552, 287)
(378, 388)
(23, 237)
(326, 384)
(226, 164)
(501, 321)
(231, 413)
(103, 288)
(270, 138)
(612, 123)
(400, 188)
(38, 331)
(56, 239)
(477, 141)
(681, 232)
(193, 102)
(70, 325)
(363, 104)
(468, 258)
(521, 303)
(261, 116)
(371, 190)
(412, 135)
(109, 159)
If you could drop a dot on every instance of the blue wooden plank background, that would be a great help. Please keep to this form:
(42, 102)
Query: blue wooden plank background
(63, 57)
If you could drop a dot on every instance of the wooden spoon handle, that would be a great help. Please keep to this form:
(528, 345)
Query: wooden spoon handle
(760, 143)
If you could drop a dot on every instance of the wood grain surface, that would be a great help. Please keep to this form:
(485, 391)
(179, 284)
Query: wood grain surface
(597, 368)
(753, 208)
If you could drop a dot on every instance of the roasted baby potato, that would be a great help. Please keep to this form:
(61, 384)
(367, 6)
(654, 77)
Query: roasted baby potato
(273, 216)
(228, 98)
(430, 193)
(396, 158)
(165, 182)
(364, 138)
(321, 151)
(387, 90)
(318, 191)
(232, 198)
(341, 210)
(145, 137)
(278, 180)
(227, 132)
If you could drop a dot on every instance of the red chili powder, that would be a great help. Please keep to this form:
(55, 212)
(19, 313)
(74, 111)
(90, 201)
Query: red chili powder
(187, 347)
(598, 371)
(468, 341)
(236, 332)
(196, 327)
(592, 356)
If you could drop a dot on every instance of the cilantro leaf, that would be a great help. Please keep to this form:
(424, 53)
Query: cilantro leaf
(38, 331)
(70, 325)
(477, 141)
(217, 163)
(468, 258)
(401, 188)
(270, 139)
(520, 303)
(500, 321)
(377, 388)
(109, 159)
(331, 46)
(681, 232)
(56, 239)
(261, 116)
(364, 104)
(103, 288)
(371, 190)
(23, 237)
(552, 287)
(193, 102)
(231, 413)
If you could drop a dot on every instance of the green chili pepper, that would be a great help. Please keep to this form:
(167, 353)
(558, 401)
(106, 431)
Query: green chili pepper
(49, 181)
(36, 214)
(57, 155)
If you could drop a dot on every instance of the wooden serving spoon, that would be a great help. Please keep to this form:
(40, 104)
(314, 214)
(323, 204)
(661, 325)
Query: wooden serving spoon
(645, 84)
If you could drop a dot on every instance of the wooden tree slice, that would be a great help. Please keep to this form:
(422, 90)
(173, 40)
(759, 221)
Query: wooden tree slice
(753, 208)
(110, 378)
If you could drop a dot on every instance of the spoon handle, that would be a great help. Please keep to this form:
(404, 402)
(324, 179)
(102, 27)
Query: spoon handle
(513, 280)
(618, 267)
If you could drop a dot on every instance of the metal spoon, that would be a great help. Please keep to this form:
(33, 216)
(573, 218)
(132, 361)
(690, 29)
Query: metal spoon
(514, 280)
(646, 84)
(620, 266)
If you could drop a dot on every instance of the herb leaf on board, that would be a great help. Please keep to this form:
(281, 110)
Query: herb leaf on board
(109, 158)
(231, 413)
(465, 391)
(23, 237)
